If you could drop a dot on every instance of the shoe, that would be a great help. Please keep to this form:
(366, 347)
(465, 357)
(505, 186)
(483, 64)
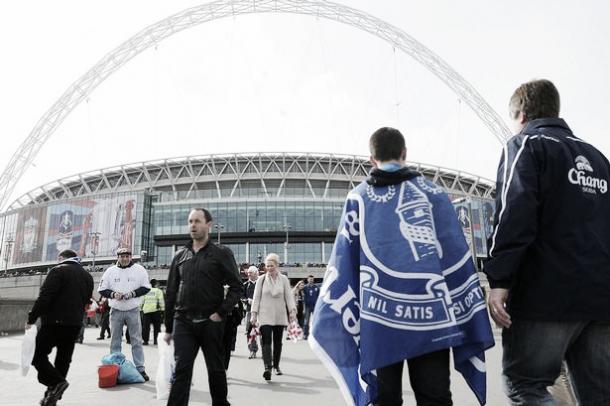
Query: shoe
(251, 355)
(54, 393)
(144, 343)
(267, 374)
(277, 371)
(100, 338)
(143, 373)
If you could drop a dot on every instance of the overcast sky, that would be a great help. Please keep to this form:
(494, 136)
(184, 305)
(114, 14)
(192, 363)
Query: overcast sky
(277, 82)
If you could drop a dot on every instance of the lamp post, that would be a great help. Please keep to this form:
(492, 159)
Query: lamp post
(286, 246)
(218, 227)
(7, 252)
(95, 239)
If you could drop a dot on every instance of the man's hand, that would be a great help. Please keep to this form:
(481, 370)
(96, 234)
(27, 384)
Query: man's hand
(496, 301)
(167, 338)
(129, 295)
(117, 295)
(253, 319)
(28, 326)
(215, 317)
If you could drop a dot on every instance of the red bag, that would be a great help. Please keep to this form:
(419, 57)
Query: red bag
(108, 375)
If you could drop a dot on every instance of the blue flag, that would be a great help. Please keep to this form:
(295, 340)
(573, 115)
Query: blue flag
(400, 283)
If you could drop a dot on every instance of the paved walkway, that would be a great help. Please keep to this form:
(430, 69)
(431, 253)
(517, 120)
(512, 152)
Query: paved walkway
(305, 380)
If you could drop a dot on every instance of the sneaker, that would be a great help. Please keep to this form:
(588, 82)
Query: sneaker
(100, 338)
(143, 373)
(54, 393)
(267, 374)
(277, 371)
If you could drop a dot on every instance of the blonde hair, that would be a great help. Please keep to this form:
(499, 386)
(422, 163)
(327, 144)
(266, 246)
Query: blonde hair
(273, 257)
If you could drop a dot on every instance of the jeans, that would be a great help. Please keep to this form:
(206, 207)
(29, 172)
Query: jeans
(49, 336)
(188, 338)
(131, 318)
(429, 378)
(533, 354)
(307, 312)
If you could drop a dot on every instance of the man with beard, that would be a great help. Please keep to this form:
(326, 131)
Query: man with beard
(124, 284)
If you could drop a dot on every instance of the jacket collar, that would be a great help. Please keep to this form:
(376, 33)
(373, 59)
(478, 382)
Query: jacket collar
(537, 125)
(378, 177)
(189, 245)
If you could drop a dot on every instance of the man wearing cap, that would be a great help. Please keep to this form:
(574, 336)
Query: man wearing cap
(247, 298)
(153, 304)
(124, 284)
(63, 295)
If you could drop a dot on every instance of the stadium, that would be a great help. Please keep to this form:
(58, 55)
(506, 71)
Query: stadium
(288, 203)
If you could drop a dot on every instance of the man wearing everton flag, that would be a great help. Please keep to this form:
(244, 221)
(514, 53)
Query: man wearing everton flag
(400, 285)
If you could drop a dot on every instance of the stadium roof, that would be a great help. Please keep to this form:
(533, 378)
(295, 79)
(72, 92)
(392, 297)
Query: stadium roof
(192, 173)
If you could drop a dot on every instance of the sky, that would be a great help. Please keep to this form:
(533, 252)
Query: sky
(279, 82)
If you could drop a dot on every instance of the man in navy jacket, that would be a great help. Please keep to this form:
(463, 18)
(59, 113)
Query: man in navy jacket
(549, 266)
(63, 295)
(311, 291)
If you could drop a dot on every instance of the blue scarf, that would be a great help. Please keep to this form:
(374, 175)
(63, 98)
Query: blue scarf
(400, 283)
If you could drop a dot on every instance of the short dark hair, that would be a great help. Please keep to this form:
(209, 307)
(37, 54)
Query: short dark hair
(310, 276)
(68, 254)
(386, 144)
(153, 283)
(535, 99)
(206, 214)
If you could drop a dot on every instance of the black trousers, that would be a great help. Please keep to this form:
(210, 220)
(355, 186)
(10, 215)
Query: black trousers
(188, 339)
(105, 324)
(50, 336)
(155, 319)
(228, 341)
(429, 377)
(273, 334)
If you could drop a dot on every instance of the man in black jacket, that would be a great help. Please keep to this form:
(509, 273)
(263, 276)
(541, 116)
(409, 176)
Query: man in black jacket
(549, 266)
(63, 295)
(196, 308)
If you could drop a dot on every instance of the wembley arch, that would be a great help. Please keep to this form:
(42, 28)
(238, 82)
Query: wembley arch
(157, 32)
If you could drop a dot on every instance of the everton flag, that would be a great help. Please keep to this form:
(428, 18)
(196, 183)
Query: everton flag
(400, 283)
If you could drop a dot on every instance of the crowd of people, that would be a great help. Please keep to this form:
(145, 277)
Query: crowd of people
(401, 285)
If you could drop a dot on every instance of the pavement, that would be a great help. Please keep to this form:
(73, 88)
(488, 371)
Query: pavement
(305, 381)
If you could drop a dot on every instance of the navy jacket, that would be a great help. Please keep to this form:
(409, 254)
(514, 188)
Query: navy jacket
(63, 295)
(310, 294)
(551, 239)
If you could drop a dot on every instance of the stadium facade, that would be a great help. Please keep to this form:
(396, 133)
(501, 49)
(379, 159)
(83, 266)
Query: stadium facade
(289, 203)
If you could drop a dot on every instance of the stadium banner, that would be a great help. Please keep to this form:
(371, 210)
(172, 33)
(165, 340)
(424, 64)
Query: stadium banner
(9, 228)
(30, 233)
(488, 213)
(462, 211)
(91, 227)
(478, 233)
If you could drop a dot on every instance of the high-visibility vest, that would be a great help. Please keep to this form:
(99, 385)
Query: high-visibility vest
(153, 301)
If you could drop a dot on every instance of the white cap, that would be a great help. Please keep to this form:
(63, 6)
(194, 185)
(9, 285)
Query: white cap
(253, 269)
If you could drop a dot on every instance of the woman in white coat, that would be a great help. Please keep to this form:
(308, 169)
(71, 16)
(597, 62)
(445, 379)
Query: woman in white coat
(273, 307)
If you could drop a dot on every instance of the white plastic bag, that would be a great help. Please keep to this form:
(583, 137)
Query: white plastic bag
(165, 369)
(28, 346)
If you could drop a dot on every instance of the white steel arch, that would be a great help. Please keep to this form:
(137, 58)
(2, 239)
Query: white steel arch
(191, 17)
